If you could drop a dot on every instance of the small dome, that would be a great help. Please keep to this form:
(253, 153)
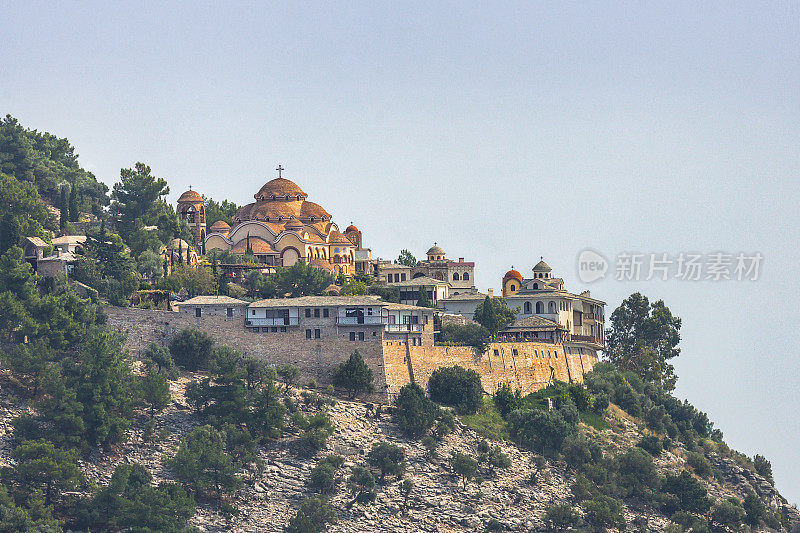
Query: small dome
(541, 266)
(351, 228)
(336, 237)
(435, 250)
(280, 188)
(513, 274)
(178, 243)
(294, 224)
(190, 196)
(220, 226)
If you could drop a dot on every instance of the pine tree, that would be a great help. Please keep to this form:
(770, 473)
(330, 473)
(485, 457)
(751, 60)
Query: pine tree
(249, 249)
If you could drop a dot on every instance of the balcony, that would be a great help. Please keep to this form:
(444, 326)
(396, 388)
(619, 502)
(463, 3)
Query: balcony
(583, 338)
(359, 320)
(291, 321)
(404, 328)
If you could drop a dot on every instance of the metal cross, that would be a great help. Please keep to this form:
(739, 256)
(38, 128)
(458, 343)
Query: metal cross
(280, 169)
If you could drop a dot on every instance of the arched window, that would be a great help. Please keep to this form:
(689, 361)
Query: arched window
(551, 307)
(528, 308)
(455, 276)
(465, 277)
(539, 308)
(512, 287)
(535, 286)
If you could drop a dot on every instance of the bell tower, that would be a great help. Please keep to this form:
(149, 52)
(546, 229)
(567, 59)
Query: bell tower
(192, 209)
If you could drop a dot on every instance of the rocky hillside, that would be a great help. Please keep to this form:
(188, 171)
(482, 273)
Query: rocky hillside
(516, 498)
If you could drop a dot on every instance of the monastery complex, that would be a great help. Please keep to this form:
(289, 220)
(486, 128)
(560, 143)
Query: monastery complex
(556, 334)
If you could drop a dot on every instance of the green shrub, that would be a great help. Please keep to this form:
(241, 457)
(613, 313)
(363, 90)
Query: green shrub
(414, 412)
(313, 516)
(728, 513)
(354, 376)
(561, 517)
(763, 467)
(637, 473)
(699, 464)
(457, 387)
(191, 349)
(578, 451)
(388, 458)
(487, 422)
(473, 335)
(317, 429)
(689, 494)
(651, 444)
(543, 432)
(203, 464)
(755, 510)
(463, 466)
(507, 400)
(361, 485)
(323, 475)
(604, 512)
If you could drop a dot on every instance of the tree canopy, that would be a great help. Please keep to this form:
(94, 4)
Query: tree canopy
(494, 314)
(136, 198)
(642, 338)
(406, 258)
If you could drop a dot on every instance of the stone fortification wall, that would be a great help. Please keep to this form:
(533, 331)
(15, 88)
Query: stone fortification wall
(316, 358)
(524, 365)
(394, 363)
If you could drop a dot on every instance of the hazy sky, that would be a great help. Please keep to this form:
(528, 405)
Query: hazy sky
(503, 133)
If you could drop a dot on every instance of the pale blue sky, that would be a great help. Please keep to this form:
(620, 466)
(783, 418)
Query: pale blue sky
(503, 133)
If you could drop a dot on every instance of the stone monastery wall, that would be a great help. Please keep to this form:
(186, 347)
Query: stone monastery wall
(394, 363)
(524, 365)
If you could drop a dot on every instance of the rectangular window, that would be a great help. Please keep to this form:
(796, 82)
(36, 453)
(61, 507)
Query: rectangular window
(403, 277)
(317, 334)
(255, 330)
(229, 312)
(496, 353)
(283, 329)
(361, 335)
(197, 311)
(274, 330)
(316, 313)
(325, 313)
(514, 352)
(308, 334)
(352, 335)
(253, 312)
(308, 313)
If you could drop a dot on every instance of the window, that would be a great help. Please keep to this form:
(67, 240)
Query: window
(496, 353)
(361, 335)
(316, 313)
(402, 277)
(513, 288)
(539, 307)
(198, 311)
(352, 335)
(514, 352)
(308, 313)
(528, 308)
(455, 276)
(255, 330)
(308, 334)
(253, 312)
(465, 277)
(325, 313)
(283, 329)
(536, 353)
(551, 307)
(317, 334)
(229, 312)
(374, 333)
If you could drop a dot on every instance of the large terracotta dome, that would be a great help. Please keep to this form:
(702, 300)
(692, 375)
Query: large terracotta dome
(279, 189)
(279, 201)
(513, 274)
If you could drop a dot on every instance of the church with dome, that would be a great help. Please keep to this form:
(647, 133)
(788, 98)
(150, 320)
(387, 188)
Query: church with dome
(280, 228)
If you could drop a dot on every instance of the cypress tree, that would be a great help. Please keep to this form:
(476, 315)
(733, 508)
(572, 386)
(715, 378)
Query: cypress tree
(62, 221)
(73, 206)
(423, 300)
